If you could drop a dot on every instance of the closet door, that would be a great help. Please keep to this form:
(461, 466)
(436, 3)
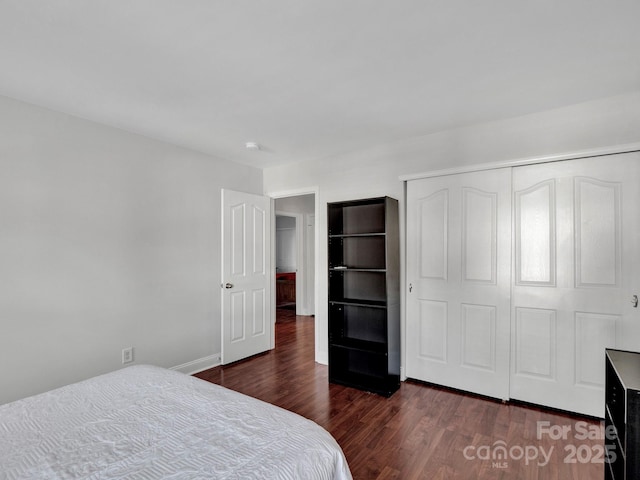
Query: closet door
(576, 265)
(458, 273)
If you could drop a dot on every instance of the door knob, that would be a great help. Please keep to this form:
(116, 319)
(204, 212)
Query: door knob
(634, 301)
(228, 285)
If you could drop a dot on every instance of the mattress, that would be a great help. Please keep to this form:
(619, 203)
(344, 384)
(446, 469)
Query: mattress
(145, 422)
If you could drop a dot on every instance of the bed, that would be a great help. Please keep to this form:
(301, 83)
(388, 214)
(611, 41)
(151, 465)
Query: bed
(145, 422)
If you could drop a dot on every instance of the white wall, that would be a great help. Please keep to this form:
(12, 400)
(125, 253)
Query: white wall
(375, 172)
(303, 204)
(107, 240)
(286, 251)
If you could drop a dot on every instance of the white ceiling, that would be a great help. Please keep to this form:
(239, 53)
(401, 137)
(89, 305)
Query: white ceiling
(312, 79)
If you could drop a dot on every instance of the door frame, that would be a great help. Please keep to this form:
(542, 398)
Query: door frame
(315, 191)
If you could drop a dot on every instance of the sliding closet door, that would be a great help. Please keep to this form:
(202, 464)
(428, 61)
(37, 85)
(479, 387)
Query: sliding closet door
(576, 269)
(458, 274)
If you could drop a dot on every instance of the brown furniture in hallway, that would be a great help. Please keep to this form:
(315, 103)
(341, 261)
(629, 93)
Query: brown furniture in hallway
(285, 289)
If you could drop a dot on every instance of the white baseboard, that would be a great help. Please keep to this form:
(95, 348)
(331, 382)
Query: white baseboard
(322, 358)
(198, 365)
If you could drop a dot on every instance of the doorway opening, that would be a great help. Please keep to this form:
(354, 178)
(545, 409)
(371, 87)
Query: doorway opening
(295, 256)
(287, 261)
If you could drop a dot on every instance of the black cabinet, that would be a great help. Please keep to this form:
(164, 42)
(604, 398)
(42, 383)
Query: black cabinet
(622, 415)
(364, 294)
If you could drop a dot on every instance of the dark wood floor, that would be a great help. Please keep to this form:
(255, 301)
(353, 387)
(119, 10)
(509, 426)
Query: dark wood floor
(420, 432)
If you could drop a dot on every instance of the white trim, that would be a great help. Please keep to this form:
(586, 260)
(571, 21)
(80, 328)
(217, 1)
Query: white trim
(322, 358)
(273, 272)
(198, 365)
(594, 152)
(309, 245)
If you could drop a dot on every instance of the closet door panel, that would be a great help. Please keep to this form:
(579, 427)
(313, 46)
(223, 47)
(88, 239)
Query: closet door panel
(479, 232)
(459, 231)
(478, 337)
(433, 331)
(575, 255)
(433, 247)
(535, 235)
(535, 342)
(598, 231)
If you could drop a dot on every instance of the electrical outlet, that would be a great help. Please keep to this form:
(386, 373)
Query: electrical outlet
(127, 355)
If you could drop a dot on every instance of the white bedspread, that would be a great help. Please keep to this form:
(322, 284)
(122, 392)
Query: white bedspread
(146, 422)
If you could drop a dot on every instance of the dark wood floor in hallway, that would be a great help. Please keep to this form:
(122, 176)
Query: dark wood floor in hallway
(422, 431)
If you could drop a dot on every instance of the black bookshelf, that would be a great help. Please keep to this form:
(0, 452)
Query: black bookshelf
(364, 294)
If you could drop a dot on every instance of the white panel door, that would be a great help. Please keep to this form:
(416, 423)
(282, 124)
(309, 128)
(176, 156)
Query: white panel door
(458, 273)
(246, 275)
(576, 269)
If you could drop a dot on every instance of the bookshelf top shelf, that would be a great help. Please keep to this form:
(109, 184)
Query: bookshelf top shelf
(357, 235)
(355, 218)
(357, 269)
(357, 302)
